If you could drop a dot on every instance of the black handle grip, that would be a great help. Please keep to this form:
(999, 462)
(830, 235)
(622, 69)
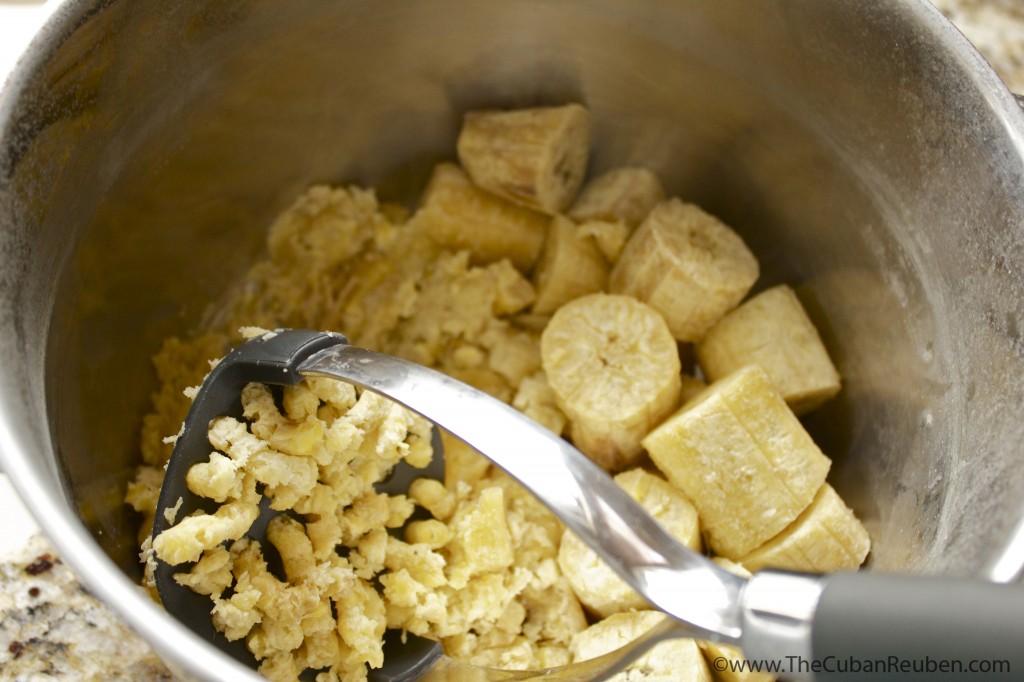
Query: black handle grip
(877, 627)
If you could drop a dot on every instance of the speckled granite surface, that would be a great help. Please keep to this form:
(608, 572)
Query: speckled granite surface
(52, 629)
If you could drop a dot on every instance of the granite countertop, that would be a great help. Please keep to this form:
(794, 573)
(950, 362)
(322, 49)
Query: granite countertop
(996, 27)
(52, 628)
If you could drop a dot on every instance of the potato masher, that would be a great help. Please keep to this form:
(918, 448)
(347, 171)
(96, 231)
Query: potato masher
(814, 627)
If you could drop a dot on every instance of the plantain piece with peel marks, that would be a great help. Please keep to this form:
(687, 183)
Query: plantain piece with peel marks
(535, 157)
(457, 214)
(692, 387)
(570, 266)
(773, 330)
(672, 659)
(743, 459)
(599, 587)
(688, 265)
(615, 371)
(826, 537)
(610, 237)
(623, 195)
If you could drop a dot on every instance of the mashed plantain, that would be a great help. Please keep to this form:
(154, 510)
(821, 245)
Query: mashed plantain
(482, 573)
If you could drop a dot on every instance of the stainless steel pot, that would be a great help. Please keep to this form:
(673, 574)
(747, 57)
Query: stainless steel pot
(864, 150)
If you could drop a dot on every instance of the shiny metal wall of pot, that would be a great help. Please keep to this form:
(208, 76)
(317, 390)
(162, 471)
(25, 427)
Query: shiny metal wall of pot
(864, 150)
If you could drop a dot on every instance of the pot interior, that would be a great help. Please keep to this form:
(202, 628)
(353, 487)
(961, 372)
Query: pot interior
(153, 144)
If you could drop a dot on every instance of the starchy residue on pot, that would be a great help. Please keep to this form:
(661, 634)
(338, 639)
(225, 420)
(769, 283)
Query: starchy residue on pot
(580, 308)
(52, 629)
